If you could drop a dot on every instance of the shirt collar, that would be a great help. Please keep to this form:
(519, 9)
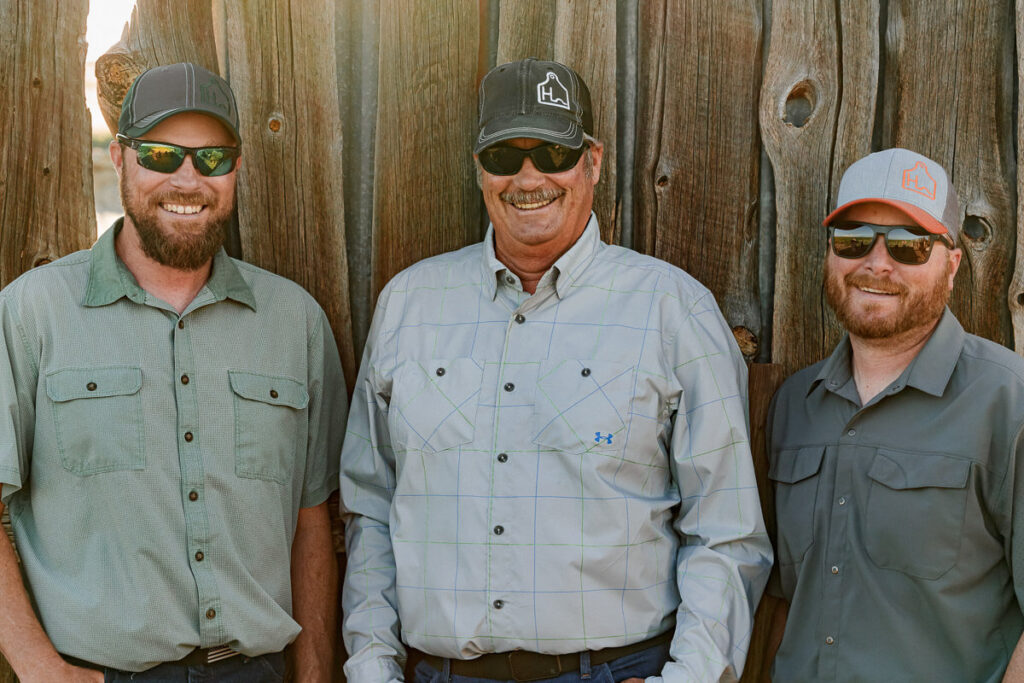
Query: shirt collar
(929, 371)
(110, 279)
(568, 267)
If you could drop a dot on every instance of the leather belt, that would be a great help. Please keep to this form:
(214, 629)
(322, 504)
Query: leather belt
(198, 657)
(521, 665)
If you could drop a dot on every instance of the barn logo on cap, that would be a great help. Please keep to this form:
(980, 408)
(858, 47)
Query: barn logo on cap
(919, 180)
(552, 92)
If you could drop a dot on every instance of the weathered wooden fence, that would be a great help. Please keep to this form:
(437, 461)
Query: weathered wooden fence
(727, 124)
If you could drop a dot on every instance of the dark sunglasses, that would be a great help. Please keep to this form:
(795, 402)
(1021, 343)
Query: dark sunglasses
(547, 158)
(163, 157)
(908, 245)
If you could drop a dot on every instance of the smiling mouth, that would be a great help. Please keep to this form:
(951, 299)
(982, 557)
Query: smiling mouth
(871, 290)
(182, 209)
(530, 206)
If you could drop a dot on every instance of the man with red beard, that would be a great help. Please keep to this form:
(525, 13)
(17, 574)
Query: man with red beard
(168, 432)
(547, 473)
(895, 460)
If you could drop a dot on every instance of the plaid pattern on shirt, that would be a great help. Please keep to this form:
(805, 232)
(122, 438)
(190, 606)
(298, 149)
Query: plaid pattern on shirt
(555, 473)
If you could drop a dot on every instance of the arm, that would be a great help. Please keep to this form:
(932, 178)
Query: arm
(725, 556)
(314, 594)
(22, 639)
(1015, 671)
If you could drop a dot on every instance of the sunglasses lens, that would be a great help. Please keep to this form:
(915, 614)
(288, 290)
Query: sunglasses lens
(555, 158)
(907, 247)
(501, 160)
(215, 161)
(160, 157)
(852, 242)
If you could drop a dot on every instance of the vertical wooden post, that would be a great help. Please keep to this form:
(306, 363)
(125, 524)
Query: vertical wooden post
(1016, 293)
(697, 149)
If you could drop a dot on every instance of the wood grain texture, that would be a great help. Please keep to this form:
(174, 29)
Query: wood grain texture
(425, 197)
(697, 148)
(582, 36)
(763, 381)
(799, 102)
(949, 96)
(159, 32)
(46, 206)
(290, 206)
(1015, 297)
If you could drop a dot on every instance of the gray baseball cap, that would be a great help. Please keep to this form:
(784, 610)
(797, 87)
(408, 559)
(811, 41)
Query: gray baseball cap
(534, 99)
(164, 91)
(908, 181)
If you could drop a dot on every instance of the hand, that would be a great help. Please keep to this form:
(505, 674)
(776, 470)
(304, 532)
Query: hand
(633, 680)
(76, 674)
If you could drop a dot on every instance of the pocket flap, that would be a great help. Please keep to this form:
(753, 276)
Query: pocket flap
(791, 466)
(903, 470)
(277, 391)
(71, 383)
(583, 405)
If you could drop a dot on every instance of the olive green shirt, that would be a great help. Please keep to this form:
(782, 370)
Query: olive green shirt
(901, 523)
(154, 464)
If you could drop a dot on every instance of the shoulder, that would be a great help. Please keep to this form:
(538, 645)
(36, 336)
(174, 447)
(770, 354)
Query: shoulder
(41, 282)
(441, 269)
(1000, 365)
(796, 386)
(650, 274)
(275, 294)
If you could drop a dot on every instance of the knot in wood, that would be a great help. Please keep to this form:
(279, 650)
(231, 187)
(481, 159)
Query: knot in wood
(274, 124)
(746, 340)
(46, 170)
(800, 104)
(36, 81)
(976, 230)
(663, 181)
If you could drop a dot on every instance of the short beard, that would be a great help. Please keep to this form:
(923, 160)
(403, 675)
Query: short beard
(188, 252)
(918, 309)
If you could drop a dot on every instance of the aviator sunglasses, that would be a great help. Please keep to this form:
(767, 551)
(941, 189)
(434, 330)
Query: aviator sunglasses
(908, 245)
(547, 158)
(163, 157)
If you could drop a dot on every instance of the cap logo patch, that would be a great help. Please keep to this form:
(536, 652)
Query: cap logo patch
(552, 92)
(919, 180)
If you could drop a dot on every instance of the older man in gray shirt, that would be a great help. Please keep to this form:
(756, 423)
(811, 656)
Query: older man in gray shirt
(895, 460)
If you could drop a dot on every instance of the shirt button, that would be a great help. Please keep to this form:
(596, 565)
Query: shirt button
(520, 318)
(193, 496)
(830, 640)
(502, 457)
(188, 436)
(498, 604)
(499, 530)
(181, 324)
(439, 372)
(842, 500)
(852, 432)
(184, 379)
(91, 386)
(509, 386)
(211, 613)
(273, 393)
(585, 372)
(509, 279)
(835, 569)
(199, 556)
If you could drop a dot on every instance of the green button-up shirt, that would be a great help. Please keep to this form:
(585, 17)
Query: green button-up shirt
(154, 464)
(900, 523)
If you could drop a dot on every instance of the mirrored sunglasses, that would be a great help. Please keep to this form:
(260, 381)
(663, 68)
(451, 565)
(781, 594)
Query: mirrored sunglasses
(910, 245)
(547, 158)
(163, 157)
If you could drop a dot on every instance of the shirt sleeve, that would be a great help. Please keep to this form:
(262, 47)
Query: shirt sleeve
(725, 555)
(18, 378)
(370, 627)
(328, 405)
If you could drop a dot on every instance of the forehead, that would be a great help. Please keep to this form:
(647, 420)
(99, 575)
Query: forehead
(523, 143)
(876, 212)
(190, 129)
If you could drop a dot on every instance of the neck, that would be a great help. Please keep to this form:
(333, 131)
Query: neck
(877, 362)
(531, 261)
(176, 287)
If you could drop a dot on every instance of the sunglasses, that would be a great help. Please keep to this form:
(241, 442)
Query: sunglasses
(908, 245)
(163, 157)
(548, 158)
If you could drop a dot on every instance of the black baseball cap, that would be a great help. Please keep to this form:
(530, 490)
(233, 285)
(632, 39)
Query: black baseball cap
(164, 91)
(534, 99)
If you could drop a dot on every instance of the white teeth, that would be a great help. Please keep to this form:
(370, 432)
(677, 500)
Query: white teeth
(532, 205)
(875, 291)
(182, 209)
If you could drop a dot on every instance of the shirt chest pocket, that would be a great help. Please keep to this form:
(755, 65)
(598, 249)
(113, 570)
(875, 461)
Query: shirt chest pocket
(795, 473)
(97, 418)
(915, 511)
(583, 405)
(270, 420)
(433, 406)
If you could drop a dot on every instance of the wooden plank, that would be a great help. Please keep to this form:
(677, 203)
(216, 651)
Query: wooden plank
(46, 206)
(425, 195)
(1016, 292)
(290, 206)
(697, 148)
(763, 381)
(798, 108)
(949, 75)
(582, 36)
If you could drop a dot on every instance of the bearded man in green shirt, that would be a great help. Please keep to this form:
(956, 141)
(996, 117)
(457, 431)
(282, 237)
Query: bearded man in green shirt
(167, 441)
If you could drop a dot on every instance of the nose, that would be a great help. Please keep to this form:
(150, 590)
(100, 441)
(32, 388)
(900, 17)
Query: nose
(186, 177)
(878, 259)
(529, 178)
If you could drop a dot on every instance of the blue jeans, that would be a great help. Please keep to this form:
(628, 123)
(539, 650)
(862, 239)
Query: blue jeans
(639, 664)
(241, 669)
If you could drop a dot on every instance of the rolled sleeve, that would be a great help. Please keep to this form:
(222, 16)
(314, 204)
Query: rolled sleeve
(18, 376)
(328, 406)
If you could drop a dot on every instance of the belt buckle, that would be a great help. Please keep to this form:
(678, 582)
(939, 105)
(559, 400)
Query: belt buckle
(536, 674)
(217, 654)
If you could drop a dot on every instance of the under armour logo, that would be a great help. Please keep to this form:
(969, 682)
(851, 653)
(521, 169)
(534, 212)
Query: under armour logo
(598, 436)
(552, 92)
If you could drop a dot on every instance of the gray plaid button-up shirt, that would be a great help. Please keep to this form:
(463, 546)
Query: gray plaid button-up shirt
(555, 473)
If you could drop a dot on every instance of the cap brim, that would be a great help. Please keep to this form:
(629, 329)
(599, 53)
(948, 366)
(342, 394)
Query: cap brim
(146, 124)
(914, 213)
(539, 127)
